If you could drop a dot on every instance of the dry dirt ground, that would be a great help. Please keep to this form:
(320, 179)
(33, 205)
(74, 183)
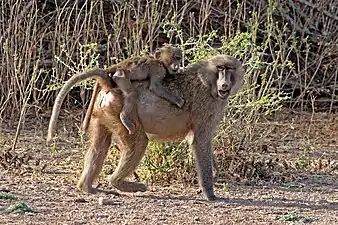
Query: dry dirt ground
(46, 183)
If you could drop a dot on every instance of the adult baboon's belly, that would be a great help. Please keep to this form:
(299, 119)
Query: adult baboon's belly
(162, 119)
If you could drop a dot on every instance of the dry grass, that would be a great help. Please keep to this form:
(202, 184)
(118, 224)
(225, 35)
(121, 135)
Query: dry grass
(35, 32)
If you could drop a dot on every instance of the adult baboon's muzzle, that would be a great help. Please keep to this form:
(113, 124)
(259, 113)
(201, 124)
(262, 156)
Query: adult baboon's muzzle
(223, 83)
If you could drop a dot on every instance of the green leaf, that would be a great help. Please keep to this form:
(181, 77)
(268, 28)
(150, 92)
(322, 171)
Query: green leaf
(7, 196)
(20, 207)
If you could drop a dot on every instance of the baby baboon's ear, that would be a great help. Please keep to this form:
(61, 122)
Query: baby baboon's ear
(157, 53)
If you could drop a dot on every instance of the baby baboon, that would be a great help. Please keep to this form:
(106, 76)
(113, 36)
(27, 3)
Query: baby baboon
(196, 121)
(167, 60)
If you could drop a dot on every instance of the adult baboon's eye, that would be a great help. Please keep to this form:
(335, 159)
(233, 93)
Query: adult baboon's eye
(229, 67)
(225, 67)
(220, 68)
(178, 58)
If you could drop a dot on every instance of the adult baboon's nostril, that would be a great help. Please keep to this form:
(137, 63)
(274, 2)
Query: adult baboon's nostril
(225, 86)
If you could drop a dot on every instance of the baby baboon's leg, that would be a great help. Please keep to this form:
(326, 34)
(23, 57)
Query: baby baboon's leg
(95, 156)
(132, 150)
(202, 148)
(130, 97)
(157, 87)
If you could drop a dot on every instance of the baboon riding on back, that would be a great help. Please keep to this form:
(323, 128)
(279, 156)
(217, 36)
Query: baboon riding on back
(205, 87)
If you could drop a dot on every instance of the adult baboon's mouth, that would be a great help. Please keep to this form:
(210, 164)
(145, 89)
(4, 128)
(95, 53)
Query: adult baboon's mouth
(223, 94)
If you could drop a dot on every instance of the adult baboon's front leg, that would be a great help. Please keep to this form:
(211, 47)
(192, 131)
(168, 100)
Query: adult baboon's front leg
(95, 156)
(202, 148)
(216, 169)
(132, 150)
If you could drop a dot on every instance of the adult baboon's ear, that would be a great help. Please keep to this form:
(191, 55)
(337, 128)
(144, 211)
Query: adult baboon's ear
(157, 53)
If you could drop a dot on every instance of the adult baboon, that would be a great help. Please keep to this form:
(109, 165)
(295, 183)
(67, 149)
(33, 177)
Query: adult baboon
(195, 121)
(166, 60)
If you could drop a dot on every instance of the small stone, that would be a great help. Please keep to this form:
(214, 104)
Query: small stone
(107, 201)
(196, 218)
(80, 200)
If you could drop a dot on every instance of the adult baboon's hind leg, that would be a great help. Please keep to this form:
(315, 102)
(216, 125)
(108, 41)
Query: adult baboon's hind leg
(132, 150)
(137, 178)
(95, 156)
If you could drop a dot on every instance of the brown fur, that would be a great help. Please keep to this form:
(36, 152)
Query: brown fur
(102, 78)
(167, 61)
(154, 117)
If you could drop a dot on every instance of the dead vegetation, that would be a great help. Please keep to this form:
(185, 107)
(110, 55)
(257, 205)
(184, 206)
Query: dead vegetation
(35, 35)
(20, 163)
(260, 167)
(43, 43)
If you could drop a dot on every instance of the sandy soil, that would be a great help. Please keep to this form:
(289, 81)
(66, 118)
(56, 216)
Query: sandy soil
(49, 187)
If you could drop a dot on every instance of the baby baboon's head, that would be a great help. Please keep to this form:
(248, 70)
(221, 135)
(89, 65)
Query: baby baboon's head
(171, 57)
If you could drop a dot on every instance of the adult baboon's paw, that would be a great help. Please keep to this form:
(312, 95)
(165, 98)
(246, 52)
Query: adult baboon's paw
(128, 186)
(87, 189)
(211, 197)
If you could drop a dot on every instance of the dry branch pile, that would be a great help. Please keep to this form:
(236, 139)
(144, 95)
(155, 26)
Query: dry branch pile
(252, 168)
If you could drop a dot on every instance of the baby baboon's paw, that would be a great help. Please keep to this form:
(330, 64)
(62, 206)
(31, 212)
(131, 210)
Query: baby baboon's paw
(214, 93)
(180, 102)
(127, 123)
(131, 128)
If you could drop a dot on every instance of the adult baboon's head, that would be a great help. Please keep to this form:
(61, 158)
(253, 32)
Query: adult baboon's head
(223, 73)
